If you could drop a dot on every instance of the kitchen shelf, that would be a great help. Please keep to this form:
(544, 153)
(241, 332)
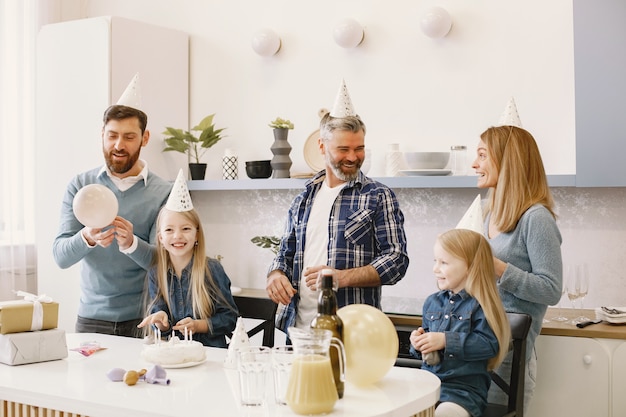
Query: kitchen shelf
(450, 181)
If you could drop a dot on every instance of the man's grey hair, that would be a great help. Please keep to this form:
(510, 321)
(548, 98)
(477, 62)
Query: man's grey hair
(328, 124)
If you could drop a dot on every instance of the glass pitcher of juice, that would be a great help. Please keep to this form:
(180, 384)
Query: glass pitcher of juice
(311, 388)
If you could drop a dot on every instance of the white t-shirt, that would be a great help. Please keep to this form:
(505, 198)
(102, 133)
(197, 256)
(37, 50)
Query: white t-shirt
(316, 249)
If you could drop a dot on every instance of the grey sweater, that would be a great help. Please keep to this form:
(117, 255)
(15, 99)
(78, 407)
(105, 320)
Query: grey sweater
(112, 282)
(533, 277)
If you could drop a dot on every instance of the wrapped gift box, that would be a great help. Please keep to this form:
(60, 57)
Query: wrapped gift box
(17, 316)
(30, 347)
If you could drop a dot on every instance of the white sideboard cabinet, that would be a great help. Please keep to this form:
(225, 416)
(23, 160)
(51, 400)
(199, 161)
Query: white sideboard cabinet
(579, 377)
(83, 66)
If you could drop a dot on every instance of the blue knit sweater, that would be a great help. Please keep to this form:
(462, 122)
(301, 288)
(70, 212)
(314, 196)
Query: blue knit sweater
(112, 282)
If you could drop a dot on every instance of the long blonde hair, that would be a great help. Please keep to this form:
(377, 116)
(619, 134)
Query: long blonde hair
(474, 249)
(522, 180)
(203, 290)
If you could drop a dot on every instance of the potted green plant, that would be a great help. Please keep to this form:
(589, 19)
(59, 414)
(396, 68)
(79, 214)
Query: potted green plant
(281, 162)
(184, 141)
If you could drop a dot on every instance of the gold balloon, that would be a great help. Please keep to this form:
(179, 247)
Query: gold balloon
(371, 343)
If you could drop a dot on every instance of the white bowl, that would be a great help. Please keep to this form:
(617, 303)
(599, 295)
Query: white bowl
(426, 160)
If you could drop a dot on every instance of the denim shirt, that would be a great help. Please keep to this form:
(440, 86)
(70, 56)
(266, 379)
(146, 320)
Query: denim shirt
(366, 227)
(470, 343)
(224, 316)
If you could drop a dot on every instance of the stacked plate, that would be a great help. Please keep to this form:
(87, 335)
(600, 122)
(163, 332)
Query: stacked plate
(615, 315)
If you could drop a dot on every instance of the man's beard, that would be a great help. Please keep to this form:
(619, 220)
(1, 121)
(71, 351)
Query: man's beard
(121, 167)
(343, 176)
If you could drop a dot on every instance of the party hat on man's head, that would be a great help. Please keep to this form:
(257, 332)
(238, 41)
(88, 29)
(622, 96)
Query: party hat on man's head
(343, 105)
(509, 116)
(131, 97)
(473, 217)
(179, 199)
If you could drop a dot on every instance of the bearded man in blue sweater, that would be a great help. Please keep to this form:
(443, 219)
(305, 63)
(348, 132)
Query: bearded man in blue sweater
(114, 259)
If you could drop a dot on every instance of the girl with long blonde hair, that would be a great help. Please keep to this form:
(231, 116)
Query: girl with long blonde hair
(465, 332)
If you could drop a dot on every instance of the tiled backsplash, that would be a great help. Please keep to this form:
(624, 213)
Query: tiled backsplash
(591, 220)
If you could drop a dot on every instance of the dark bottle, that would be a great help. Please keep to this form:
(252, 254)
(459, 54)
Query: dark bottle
(328, 319)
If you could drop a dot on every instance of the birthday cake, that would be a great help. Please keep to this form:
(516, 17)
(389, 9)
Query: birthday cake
(174, 352)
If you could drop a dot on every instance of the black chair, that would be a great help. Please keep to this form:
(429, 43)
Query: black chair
(514, 388)
(258, 306)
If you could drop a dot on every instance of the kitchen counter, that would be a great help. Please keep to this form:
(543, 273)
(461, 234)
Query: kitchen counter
(553, 328)
(78, 385)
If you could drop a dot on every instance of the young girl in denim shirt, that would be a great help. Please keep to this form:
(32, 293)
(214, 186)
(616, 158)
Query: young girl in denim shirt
(465, 332)
(190, 292)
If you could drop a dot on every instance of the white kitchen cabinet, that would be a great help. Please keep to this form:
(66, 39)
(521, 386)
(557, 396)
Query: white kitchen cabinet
(619, 381)
(83, 66)
(573, 377)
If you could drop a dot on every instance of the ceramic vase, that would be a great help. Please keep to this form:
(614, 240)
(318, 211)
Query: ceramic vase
(281, 162)
(197, 171)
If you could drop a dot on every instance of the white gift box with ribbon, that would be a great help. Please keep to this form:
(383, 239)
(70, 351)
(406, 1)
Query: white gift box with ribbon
(31, 347)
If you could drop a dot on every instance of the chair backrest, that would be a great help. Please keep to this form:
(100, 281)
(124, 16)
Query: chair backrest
(259, 308)
(514, 388)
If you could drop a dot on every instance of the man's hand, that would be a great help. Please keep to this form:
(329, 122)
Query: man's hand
(123, 232)
(278, 287)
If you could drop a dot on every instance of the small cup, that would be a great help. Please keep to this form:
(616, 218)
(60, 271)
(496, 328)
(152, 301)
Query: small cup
(282, 359)
(253, 365)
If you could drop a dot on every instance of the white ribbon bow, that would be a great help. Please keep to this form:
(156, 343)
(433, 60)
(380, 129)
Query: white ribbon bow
(37, 322)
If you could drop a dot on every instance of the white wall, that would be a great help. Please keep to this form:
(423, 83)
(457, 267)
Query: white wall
(422, 93)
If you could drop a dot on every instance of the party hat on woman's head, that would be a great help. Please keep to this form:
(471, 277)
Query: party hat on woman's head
(131, 97)
(343, 105)
(509, 116)
(473, 217)
(179, 199)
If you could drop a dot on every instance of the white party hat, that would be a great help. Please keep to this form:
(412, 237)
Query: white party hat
(131, 97)
(509, 116)
(240, 339)
(179, 199)
(343, 105)
(473, 217)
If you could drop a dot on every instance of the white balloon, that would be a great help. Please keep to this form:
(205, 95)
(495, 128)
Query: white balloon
(436, 23)
(348, 33)
(371, 343)
(95, 206)
(266, 42)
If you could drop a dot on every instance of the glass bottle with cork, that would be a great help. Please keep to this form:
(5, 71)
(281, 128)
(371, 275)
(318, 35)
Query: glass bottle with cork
(328, 319)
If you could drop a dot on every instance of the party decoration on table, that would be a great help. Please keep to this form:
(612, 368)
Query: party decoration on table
(509, 116)
(343, 104)
(473, 217)
(179, 199)
(156, 375)
(95, 206)
(131, 97)
(240, 339)
(88, 348)
(370, 341)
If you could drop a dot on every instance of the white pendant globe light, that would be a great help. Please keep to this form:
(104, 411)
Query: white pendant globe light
(348, 33)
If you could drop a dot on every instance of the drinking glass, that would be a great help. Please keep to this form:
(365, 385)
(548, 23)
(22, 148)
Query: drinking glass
(582, 273)
(253, 363)
(559, 308)
(572, 287)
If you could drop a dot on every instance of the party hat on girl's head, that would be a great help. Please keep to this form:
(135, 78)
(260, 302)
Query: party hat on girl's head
(131, 97)
(509, 116)
(473, 217)
(343, 105)
(179, 199)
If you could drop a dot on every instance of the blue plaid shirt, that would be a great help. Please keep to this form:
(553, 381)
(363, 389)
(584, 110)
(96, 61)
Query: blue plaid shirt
(470, 343)
(366, 227)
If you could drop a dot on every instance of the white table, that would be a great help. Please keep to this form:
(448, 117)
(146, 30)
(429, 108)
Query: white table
(78, 385)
